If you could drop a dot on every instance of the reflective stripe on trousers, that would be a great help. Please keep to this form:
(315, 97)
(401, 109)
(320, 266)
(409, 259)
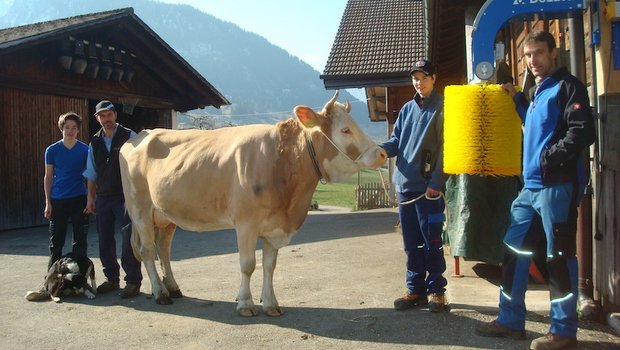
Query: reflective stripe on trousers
(556, 209)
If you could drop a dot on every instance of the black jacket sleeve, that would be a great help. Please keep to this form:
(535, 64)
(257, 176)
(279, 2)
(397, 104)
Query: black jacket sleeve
(575, 131)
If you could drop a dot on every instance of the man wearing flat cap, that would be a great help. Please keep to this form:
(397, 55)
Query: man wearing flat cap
(417, 142)
(105, 197)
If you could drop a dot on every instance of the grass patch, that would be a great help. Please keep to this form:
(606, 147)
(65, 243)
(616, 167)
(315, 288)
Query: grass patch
(342, 194)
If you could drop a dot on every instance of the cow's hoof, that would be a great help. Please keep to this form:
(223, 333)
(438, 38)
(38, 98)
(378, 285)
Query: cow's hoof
(247, 311)
(176, 294)
(273, 311)
(163, 300)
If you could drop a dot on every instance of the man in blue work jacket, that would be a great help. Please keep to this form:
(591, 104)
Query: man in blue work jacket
(558, 127)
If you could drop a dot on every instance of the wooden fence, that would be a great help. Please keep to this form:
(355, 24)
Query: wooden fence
(371, 196)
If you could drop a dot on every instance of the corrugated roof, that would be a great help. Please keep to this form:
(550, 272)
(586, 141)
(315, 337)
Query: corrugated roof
(377, 42)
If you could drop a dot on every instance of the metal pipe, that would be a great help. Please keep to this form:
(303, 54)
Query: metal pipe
(584, 219)
(457, 267)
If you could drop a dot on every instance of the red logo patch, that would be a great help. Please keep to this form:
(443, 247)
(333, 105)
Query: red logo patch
(576, 106)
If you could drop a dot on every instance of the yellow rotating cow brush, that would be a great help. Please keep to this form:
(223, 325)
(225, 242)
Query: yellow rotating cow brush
(482, 131)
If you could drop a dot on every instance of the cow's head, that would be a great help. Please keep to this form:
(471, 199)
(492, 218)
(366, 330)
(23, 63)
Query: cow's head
(345, 148)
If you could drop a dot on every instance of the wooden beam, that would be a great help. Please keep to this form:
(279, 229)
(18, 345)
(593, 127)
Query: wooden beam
(55, 88)
(377, 98)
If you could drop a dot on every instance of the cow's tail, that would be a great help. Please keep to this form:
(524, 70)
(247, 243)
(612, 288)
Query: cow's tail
(136, 243)
(91, 275)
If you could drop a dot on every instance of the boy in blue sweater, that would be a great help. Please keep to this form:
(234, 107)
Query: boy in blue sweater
(558, 127)
(65, 188)
(417, 142)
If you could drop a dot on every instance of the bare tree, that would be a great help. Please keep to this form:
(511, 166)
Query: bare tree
(206, 122)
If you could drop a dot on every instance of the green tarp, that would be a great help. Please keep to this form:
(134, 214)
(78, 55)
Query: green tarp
(478, 215)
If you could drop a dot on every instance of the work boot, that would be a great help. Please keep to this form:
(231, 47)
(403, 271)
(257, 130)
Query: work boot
(437, 302)
(552, 341)
(409, 301)
(108, 286)
(130, 291)
(496, 330)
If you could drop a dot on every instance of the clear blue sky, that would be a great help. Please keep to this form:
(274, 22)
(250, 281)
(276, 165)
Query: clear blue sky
(304, 28)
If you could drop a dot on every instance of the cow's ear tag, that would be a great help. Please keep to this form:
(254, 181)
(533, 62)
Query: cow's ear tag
(306, 116)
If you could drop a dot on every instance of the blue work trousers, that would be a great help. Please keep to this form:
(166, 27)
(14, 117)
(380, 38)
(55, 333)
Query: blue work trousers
(422, 224)
(111, 213)
(556, 206)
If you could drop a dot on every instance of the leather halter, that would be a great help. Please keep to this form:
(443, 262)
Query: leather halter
(315, 162)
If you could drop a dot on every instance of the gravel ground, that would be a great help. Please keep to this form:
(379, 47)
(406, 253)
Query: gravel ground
(336, 282)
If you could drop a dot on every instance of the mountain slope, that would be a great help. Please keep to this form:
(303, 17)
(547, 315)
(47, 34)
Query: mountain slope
(262, 81)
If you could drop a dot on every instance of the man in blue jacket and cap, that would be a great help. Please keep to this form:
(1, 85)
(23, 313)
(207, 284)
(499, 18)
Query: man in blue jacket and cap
(417, 143)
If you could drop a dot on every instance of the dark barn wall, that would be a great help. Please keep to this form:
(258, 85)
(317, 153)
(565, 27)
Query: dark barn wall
(28, 124)
(139, 119)
(447, 43)
(34, 91)
(607, 206)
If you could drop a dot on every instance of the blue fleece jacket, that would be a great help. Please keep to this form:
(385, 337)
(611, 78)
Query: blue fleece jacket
(417, 140)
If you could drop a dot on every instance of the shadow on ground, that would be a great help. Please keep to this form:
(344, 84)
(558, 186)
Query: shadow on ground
(187, 245)
(373, 325)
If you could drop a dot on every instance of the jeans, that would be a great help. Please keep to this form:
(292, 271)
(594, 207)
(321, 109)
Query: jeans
(110, 214)
(64, 210)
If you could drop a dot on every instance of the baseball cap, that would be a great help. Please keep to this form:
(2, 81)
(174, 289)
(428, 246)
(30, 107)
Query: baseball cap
(104, 105)
(424, 66)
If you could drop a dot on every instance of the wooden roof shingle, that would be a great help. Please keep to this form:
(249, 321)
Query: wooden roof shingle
(37, 32)
(136, 35)
(377, 43)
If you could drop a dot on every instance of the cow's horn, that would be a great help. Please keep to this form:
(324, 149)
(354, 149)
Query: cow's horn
(330, 103)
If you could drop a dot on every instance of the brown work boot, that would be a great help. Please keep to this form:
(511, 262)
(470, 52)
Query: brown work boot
(108, 286)
(496, 330)
(130, 291)
(552, 341)
(437, 302)
(409, 301)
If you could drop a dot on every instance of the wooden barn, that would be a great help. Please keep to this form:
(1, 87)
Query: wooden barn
(49, 68)
(378, 41)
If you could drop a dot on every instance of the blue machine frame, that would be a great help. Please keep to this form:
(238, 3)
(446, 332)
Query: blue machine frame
(495, 13)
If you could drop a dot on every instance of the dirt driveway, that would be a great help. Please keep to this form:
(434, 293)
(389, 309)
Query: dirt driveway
(335, 282)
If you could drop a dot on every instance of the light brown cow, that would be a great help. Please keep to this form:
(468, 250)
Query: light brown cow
(258, 179)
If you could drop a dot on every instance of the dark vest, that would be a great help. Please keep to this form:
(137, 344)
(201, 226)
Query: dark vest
(106, 163)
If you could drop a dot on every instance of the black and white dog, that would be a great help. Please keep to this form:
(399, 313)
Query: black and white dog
(67, 276)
